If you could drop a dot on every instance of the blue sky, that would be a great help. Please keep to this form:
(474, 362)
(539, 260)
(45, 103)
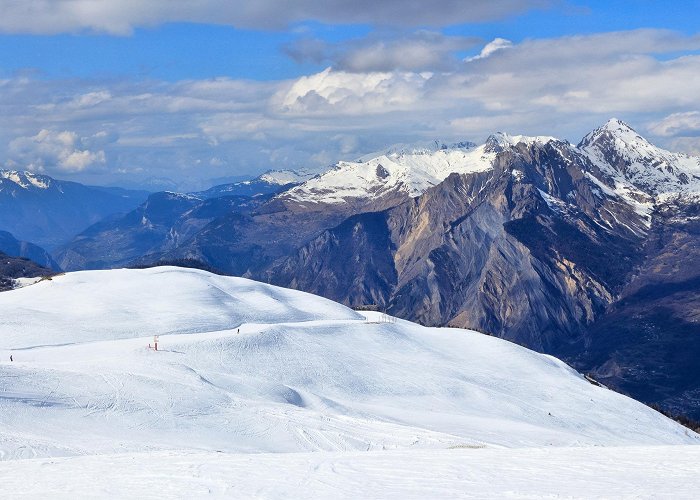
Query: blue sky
(126, 92)
(176, 51)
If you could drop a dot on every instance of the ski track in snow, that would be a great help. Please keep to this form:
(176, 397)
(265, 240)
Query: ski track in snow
(572, 473)
(221, 411)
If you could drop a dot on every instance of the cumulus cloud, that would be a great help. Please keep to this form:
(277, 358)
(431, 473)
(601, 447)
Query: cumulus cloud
(120, 17)
(61, 152)
(419, 51)
(352, 93)
(580, 74)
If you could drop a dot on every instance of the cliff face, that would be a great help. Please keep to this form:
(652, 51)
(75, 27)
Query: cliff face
(544, 251)
(648, 341)
(531, 251)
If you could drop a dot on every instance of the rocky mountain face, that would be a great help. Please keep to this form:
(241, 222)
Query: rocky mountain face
(588, 252)
(286, 210)
(13, 247)
(647, 342)
(50, 212)
(531, 250)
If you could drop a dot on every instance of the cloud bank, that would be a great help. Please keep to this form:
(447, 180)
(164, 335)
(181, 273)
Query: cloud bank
(420, 51)
(195, 130)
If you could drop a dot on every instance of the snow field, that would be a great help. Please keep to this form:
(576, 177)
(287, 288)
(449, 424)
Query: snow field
(309, 375)
(126, 303)
(249, 379)
(410, 172)
(571, 473)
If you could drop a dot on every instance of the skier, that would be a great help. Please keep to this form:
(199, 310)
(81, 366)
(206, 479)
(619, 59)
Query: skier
(10, 358)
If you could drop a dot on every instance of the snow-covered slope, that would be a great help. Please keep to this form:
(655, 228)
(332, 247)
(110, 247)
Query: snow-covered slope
(283, 177)
(91, 306)
(409, 170)
(640, 172)
(628, 158)
(24, 180)
(531, 473)
(303, 374)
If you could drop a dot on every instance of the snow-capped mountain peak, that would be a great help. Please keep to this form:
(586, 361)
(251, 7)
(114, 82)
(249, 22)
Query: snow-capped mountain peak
(406, 169)
(627, 157)
(284, 177)
(614, 130)
(403, 171)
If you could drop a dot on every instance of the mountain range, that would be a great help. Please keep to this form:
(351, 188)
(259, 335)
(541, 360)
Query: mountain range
(49, 212)
(588, 251)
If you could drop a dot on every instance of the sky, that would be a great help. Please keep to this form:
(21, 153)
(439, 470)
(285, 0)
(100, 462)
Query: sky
(175, 94)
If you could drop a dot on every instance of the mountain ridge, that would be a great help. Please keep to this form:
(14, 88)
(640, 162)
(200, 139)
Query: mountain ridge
(545, 244)
(49, 212)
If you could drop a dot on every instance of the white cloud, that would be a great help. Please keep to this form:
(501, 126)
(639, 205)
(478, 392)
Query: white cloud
(677, 124)
(340, 92)
(689, 145)
(56, 152)
(490, 48)
(615, 73)
(563, 87)
(120, 17)
(419, 51)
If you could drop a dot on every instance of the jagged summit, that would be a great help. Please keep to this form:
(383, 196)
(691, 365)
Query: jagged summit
(628, 158)
(405, 171)
(628, 162)
(613, 129)
(615, 124)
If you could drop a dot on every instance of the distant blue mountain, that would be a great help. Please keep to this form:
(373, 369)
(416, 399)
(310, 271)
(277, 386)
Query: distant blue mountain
(251, 188)
(50, 212)
(9, 245)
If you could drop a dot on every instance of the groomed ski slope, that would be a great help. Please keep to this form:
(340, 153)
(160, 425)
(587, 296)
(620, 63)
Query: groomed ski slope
(303, 375)
(662, 472)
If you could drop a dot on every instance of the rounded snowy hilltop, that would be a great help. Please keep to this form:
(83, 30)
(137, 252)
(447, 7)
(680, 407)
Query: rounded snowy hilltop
(247, 367)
